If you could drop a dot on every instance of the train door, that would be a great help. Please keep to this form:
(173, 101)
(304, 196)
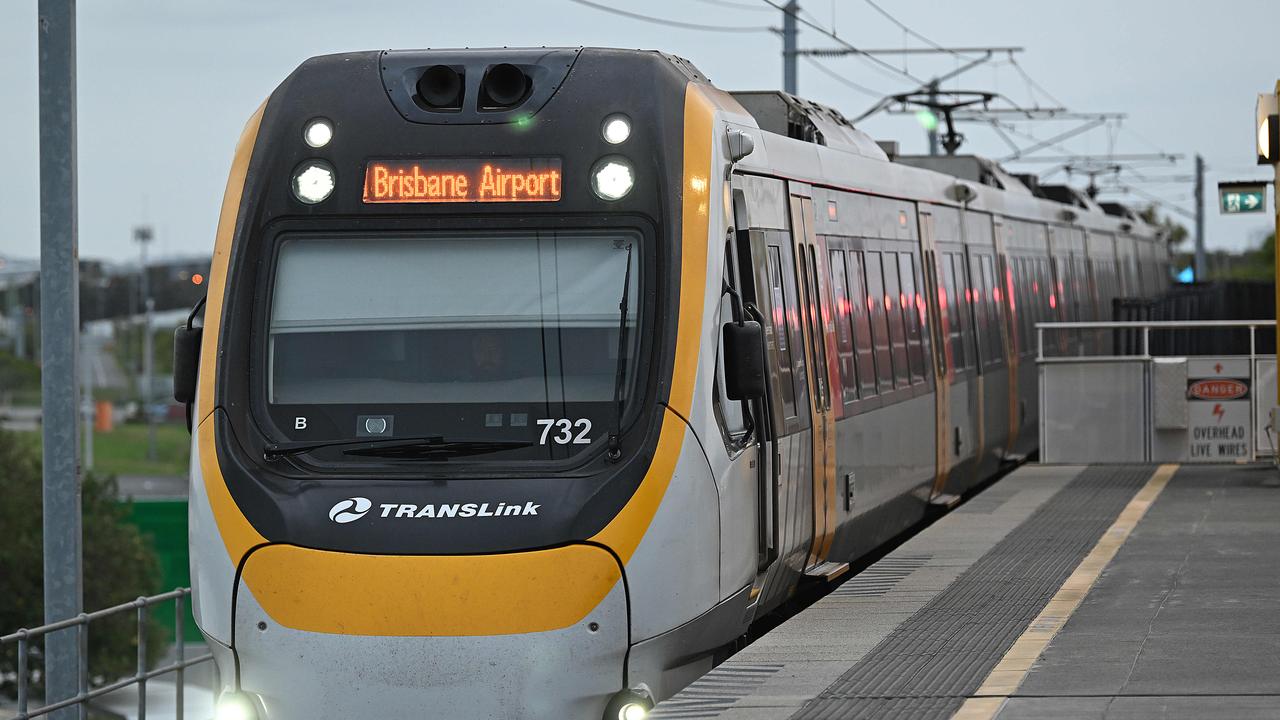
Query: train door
(815, 303)
(944, 457)
(995, 391)
(947, 286)
(1005, 307)
(790, 490)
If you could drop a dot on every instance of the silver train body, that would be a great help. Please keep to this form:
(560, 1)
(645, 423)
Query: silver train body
(896, 303)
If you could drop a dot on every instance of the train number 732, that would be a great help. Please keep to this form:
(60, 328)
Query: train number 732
(575, 432)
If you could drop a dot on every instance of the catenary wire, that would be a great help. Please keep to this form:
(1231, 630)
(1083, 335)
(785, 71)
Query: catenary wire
(674, 23)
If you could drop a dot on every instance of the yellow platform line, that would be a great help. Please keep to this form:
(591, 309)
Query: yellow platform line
(1012, 669)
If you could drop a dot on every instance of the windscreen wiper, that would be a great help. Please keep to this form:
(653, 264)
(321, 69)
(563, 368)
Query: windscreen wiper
(436, 448)
(426, 447)
(274, 451)
(614, 453)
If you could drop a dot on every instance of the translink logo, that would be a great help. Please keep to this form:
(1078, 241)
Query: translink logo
(461, 510)
(352, 509)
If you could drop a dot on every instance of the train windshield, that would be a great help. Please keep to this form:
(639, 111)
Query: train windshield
(478, 346)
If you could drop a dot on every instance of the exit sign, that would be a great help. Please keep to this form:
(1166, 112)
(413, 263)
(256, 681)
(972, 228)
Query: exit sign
(1235, 198)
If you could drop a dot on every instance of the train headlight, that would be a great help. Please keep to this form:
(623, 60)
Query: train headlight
(235, 706)
(612, 177)
(633, 711)
(616, 129)
(313, 181)
(318, 133)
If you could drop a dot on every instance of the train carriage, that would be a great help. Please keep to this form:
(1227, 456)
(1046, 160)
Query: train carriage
(529, 379)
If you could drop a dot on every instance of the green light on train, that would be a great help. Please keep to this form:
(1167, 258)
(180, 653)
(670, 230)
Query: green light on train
(524, 122)
(927, 120)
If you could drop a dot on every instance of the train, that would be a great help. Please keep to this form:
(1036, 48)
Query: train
(528, 380)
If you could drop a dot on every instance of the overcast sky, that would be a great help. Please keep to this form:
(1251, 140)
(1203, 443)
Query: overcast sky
(166, 85)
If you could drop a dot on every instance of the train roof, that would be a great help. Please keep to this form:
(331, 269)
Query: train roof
(798, 135)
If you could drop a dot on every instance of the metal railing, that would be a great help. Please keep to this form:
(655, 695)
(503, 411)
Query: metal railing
(23, 639)
(1124, 398)
(1145, 326)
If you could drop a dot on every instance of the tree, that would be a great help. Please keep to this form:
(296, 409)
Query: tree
(1175, 232)
(119, 564)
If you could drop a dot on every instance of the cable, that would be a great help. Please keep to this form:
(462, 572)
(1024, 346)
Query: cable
(672, 23)
(913, 33)
(1031, 82)
(856, 51)
(843, 80)
(735, 5)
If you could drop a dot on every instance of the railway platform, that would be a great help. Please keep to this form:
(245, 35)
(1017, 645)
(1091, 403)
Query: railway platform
(1121, 591)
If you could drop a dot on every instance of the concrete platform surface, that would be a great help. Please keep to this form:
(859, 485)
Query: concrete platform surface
(1059, 592)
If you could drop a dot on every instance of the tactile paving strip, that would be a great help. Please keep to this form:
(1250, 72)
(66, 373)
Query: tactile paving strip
(714, 692)
(881, 577)
(928, 665)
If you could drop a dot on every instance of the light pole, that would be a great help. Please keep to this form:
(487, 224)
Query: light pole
(143, 235)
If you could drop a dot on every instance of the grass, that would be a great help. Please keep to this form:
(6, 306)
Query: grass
(123, 451)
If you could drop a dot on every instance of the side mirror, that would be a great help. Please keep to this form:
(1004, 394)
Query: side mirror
(186, 363)
(743, 349)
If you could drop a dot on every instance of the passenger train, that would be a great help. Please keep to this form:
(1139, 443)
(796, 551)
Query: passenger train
(528, 379)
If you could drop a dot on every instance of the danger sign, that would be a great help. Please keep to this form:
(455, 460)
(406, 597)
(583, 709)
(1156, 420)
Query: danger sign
(1218, 411)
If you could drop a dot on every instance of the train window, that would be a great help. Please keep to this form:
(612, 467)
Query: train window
(844, 326)
(993, 352)
(957, 309)
(894, 310)
(879, 322)
(812, 306)
(731, 411)
(862, 345)
(779, 317)
(794, 320)
(1025, 311)
(914, 315)
(410, 330)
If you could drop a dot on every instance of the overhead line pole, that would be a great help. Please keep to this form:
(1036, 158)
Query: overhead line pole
(789, 46)
(59, 331)
(1199, 260)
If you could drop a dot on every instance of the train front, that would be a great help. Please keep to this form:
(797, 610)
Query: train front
(439, 381)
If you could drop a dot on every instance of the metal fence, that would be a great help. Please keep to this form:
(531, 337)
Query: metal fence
(24, 639)
(1128, 395)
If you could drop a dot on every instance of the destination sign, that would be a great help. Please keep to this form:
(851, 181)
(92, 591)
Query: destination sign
(440, 180)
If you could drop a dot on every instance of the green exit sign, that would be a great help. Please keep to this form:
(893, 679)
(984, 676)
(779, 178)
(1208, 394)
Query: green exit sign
(1235, 198)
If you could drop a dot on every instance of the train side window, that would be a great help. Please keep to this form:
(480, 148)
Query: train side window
(1025, 310)
(893, 302)
(731, 411)
(863, 348)
(975, 300)
(844, 326)
(795, 317)
(958, 310)
(993, 353)
(879, 322)
(913, 315)
(778, 317)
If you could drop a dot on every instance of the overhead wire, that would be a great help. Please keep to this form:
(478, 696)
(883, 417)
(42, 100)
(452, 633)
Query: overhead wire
(1032, 83)
(735, 5)
(913, 33)
(674, 23)
(842, 79)
(857, 52)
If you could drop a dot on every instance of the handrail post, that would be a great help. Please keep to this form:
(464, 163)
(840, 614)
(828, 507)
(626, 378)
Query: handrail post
(82, 639)
(142, 658)
(1039, 342)
(1146, 341)
(23, 651)
(179, 620)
